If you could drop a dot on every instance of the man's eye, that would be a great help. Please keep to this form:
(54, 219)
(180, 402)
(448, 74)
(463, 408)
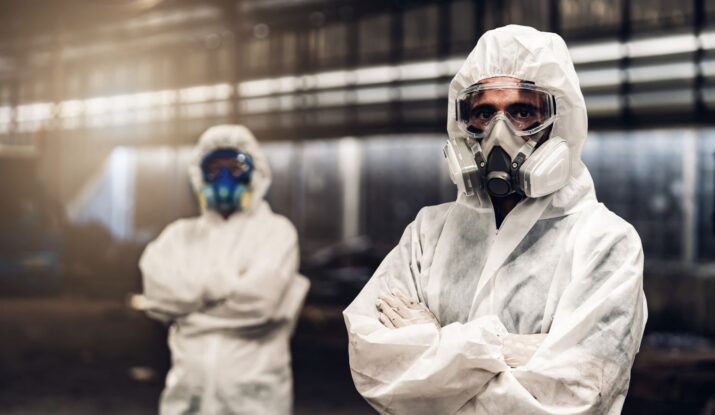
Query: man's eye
(482, 114)
(523, 113)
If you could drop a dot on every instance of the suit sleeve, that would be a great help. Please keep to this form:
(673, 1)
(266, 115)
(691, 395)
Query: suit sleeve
(582, 367)
(419, 369)
(169, 289)
(261, 291)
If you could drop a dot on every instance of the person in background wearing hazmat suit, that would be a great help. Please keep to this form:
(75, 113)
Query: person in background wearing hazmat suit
(525, 296)
(228, 283)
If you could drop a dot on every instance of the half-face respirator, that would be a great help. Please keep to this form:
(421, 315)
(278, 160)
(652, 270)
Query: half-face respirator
(504, 123)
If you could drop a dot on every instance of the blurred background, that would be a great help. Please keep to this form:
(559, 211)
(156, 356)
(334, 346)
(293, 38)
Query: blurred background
(101, 101)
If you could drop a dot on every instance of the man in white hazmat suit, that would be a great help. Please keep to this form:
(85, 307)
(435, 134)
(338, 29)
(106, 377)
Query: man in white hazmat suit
(525, 295)
(228, 283)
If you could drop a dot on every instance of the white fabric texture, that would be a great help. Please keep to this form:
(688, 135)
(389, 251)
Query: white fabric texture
(562, 265)
(232, 292)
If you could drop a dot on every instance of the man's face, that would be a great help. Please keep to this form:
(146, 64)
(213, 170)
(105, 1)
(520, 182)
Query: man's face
(524, 108)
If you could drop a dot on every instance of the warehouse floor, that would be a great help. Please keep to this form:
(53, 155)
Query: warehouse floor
(77, 356)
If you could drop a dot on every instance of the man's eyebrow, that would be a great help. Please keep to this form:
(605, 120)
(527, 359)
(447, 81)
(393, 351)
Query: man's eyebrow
(483, 104)
(521, 103)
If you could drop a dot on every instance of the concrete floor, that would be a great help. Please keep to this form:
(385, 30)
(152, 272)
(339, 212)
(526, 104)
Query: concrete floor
(75, 356)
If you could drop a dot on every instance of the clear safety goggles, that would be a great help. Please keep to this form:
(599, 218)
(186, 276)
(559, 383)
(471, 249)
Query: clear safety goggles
(238, 164)
(526, 108)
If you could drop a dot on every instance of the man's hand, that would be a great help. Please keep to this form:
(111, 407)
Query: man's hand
(397, 310)
(518, 348)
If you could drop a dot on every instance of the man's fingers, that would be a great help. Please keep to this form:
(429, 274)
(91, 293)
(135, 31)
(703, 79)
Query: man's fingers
(390, 312)
(396, 304)
(518, 349)
(408, 301)
(392, 300)
(386, 321)
(540, 337)
(404, 298)
(402, 311)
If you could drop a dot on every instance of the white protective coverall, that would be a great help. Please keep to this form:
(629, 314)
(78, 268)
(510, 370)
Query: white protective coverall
(562, 264)
(232, 291)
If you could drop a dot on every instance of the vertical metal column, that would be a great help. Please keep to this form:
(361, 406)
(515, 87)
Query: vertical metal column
(712, 216)
(48, 159)
(302, 66)
(554, 16)
(444, 40)
(232, 16)
(624, 36)
(350, 160)
(479, 21)
(699, 83)
(688, 197)
(395, 57)
(352, 61)
(700, 117)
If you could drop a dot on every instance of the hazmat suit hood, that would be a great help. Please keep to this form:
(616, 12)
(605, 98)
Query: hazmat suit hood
(543, 58)
(235, 137)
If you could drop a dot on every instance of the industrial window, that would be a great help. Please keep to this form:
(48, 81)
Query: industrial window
(529, 13)
(257, 54)
(420, 32)
(5, 93)
(330, 45)
(462, 29)
(655, 15)
(196, 69)
(592, 17)
(374, 35)
(289, 50)
(225, 62)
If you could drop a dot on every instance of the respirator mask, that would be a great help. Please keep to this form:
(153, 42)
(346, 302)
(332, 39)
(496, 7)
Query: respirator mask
(503, 124)
(226, 177)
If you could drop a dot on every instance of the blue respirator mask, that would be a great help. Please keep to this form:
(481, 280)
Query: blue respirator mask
(226, 177)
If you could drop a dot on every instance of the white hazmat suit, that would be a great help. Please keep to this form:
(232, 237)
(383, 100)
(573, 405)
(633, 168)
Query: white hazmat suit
(561, 265)
(232, 292)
